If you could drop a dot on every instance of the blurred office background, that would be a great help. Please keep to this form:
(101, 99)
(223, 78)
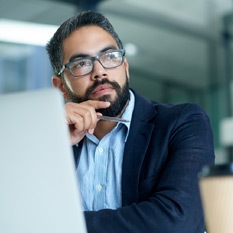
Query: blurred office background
(178, 50)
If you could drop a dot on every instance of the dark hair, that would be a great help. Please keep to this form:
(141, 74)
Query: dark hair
(87, 18)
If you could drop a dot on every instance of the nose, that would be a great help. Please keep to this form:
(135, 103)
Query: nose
(98, 71)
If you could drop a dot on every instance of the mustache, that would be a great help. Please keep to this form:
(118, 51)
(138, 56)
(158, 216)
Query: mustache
(98, 82)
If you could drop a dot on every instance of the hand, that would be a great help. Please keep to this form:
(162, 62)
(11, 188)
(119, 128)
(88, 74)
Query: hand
(82, 118)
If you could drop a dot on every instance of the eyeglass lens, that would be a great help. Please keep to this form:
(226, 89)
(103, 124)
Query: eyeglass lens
(84, 66)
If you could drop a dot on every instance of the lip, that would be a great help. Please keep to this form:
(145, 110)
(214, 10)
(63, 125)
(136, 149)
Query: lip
(102, 89)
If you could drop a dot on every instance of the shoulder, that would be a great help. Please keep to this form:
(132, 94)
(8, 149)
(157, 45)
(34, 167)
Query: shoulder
(185, 109)
(168, 111)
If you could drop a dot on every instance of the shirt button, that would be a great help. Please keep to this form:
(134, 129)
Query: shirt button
(101, 150)
(99, 187)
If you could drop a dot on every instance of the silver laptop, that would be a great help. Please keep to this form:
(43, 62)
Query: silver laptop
(38, 185)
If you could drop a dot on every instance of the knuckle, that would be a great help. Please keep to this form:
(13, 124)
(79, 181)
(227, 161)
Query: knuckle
(87, 114)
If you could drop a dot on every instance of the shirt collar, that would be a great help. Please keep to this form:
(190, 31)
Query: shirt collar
(128, 113)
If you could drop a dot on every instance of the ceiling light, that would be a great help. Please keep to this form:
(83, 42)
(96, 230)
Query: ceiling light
(25, 32)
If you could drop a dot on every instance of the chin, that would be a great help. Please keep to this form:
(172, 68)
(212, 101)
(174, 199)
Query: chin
(106, 98)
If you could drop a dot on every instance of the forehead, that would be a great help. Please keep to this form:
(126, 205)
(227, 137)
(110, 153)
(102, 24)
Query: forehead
(87, 40)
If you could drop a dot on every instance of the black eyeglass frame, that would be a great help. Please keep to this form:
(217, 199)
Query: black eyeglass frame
(96, 58)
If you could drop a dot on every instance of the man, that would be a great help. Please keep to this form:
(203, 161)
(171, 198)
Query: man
(137, 176)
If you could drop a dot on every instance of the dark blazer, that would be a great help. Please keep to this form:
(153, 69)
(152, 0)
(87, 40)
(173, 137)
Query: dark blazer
(166, 148)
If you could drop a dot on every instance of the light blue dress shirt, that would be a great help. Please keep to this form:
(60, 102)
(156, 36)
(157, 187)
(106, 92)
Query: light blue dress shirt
(100, 166)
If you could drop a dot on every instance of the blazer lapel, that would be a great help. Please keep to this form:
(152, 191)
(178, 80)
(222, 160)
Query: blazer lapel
(135, 148)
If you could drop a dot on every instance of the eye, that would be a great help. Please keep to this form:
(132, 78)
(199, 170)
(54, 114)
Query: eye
(81, 63)
(113, 55)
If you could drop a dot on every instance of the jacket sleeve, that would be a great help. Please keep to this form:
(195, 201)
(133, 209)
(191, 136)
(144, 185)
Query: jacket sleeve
(174, 206)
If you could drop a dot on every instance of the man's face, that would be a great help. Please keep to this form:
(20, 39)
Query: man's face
(101, 84)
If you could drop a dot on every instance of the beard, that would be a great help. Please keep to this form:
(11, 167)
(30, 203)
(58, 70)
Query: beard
(117, 105)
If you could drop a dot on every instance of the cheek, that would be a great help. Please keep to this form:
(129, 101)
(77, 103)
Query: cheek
(78, 86)
(68, 84)
(121, 77)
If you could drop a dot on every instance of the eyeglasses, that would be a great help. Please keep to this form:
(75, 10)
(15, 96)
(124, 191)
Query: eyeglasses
(83, 66)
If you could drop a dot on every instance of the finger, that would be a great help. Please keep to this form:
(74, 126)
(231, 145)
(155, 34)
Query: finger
(75, 123)
(97, 104)
(86, 116)
(81, 117)
(91, 131)
(87, 110)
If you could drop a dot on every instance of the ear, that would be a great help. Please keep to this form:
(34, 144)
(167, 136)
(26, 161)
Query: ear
(59, 84)
(126, 67)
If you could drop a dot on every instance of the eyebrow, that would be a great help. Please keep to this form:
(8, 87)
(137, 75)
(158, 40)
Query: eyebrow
(83, 55)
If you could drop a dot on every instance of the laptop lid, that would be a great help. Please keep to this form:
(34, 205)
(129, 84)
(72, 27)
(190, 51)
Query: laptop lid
(38, 185)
